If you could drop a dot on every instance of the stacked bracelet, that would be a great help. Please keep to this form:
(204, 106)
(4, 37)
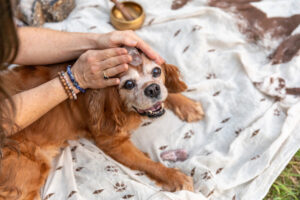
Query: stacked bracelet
(75, 83)
(67, 86)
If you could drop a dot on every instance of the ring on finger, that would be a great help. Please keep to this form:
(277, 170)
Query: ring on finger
(105, 76)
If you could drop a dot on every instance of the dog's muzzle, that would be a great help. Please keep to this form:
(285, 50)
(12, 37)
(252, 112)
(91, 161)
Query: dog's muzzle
(156, 110)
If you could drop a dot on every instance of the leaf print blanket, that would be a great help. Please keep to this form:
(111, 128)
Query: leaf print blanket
(241, 60)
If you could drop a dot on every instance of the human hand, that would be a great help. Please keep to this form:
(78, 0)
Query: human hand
(127, 38)
(90, 67)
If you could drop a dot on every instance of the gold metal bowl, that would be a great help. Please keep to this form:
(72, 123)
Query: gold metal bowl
(120, 23)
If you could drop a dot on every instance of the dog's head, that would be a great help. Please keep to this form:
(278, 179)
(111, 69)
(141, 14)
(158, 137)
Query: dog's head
(142, 91)
(142, 88)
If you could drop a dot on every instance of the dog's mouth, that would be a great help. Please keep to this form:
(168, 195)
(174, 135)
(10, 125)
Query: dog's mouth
(156, 110)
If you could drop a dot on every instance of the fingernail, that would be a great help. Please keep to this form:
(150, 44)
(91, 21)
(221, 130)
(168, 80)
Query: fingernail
(132, 42)
(130, 58)
(124, 51)
(159, 60)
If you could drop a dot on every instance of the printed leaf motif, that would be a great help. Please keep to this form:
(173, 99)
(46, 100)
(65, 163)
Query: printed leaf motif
(186, 48)
(255, 157)
(111, 168)
(177, 32)
(98, 191)
(196, 27)
(90, 6)
(211, 76)
(263, 99)
(211, 50)
(193, 171)
(140, 174)
(218, 129)
(210, 193)
(237, 132)
(217, 93)
(206, 176)
(219, 170)
(226, 120)
(146, 123)
(151, 21)
(74, 148)
(234, 197)
(176, 4)
(119, 187)
(255, 133)
(127, 196)
(191, 90)
(78, 17)
(189, 134)
(92, 27)
(79, 169)
(48, 196)
(163, 147)
(59, 168)
(277, 112)
(71, 194)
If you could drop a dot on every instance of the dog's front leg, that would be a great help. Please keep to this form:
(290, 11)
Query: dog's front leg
(186, 109)
(122, 150)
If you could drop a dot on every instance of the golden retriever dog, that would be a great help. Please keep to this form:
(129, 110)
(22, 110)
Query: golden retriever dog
(107, 116)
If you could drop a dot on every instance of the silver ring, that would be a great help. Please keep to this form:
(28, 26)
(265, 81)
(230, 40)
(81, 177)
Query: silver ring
(104, 76)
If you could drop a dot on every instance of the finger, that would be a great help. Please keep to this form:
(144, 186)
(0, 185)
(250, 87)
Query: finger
(148, 50)
(101, 55)
(111, 72)
(129, 38)
(112, 81)
(114, 61)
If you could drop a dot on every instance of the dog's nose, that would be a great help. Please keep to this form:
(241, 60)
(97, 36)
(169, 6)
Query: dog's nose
(152, 90)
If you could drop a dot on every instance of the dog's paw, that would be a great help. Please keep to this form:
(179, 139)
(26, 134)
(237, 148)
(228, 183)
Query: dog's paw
(189, 111)
(176, 180)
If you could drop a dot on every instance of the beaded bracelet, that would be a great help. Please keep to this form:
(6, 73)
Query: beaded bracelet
(63, 82)
(75, 83)
(68, 89)
(69, 85)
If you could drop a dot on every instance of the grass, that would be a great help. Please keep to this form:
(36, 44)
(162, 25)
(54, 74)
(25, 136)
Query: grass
(287, 185)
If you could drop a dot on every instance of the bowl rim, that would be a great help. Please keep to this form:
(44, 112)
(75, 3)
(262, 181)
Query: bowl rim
(125, 21)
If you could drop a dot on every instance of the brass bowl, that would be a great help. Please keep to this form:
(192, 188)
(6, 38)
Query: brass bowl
(120, 23)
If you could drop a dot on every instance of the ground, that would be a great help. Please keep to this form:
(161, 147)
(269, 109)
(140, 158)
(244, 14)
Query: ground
(287, 185)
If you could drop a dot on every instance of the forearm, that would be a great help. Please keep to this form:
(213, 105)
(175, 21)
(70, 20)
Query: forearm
(31, 104)
(40, 46)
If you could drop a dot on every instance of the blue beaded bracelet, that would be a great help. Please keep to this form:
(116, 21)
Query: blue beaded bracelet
(75, 83)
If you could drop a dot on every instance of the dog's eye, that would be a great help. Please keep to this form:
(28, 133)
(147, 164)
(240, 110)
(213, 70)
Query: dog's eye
(156, 72)
(129, 84)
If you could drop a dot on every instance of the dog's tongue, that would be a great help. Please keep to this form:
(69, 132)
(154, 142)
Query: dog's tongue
(136, 56)
(153, 108)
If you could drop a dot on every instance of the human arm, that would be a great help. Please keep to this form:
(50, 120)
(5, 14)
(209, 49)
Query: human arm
(40, 46)
(31, 104)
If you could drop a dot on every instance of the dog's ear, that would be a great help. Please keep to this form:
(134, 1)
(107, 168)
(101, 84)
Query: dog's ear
(172, 79)
(106, 111)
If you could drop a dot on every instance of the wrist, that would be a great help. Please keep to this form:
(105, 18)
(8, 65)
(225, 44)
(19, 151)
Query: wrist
(95, 39)
(74, 81)
(74, 88)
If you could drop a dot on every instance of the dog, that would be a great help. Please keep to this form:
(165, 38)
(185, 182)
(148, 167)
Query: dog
(107, 116)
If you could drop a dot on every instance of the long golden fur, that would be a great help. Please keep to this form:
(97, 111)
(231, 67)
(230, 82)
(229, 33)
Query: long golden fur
(97, 114)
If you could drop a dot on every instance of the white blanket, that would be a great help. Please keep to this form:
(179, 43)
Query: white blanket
(247, 136)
